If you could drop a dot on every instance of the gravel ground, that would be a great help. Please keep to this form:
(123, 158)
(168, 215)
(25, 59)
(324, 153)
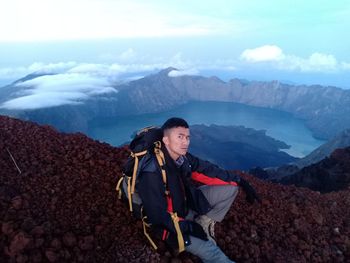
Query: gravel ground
(58, 204)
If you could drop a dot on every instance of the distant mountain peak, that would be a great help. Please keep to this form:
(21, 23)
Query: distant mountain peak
(32, 76)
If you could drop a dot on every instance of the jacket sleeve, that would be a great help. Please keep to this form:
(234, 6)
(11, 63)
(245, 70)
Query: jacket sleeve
(211, 170)
(152, 192)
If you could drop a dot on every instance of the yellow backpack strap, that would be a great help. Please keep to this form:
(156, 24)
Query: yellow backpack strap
(129, 194)
(118, 187)
(180, 238)
(119, 190)
(145, 226)
(161, 161)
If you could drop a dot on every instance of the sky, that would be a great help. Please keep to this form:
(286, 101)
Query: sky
(94, 43)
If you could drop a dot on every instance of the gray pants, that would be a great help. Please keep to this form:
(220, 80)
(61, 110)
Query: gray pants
(221, 199)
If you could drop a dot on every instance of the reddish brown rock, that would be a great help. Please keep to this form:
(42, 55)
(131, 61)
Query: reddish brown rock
(56, 244)
(21, 258)
(86, 243)
(51, 255)
(98, 229)
(294, 239)
(36, 256)
(18, 243)
(39, 242)
(17, 202)
(317, 217)
(69, 239)
(7, 228)
(65, 199)
(37, 231)
(294, 209)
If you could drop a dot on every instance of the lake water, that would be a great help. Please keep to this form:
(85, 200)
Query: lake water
(279, 125)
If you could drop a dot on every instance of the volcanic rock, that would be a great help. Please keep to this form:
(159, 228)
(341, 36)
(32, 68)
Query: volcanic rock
(63, 207)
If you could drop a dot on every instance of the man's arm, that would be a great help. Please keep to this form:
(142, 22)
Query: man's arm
(214, 171)
(211, 170)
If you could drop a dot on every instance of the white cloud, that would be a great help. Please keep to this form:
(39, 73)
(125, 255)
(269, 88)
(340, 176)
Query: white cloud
(178, 61)
(64, 82)
(128, 55)
(178, 73)
(345, 65)
(38, 67)
(322, 60)
(44, 100)
(316, 62)
(101, 70)
(54, 90)
(112, 71)
(264, 53)
(72, 82)
(91, 69)
(51, 67)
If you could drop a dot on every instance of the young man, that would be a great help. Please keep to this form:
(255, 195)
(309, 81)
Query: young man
(198, 208)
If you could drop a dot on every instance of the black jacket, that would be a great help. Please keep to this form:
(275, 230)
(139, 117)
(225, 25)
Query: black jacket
(185, 195)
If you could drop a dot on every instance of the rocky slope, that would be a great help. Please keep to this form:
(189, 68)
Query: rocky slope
(329, 174)
(325, 109)
(342, 140)
(60, 205)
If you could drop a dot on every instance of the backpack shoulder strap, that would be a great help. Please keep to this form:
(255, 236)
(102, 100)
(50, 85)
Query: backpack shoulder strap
(161, 161)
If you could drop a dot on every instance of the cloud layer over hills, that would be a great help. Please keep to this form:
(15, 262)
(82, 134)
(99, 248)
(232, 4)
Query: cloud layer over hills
(60, 89)
(281, 64)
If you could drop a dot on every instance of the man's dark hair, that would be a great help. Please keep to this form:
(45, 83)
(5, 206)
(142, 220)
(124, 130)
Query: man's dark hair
(173, 123)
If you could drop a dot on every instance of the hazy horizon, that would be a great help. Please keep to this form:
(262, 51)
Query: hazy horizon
(290, 41)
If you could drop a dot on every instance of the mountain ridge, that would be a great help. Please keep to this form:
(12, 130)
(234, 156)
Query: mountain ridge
(329, 174)
(317, 169)
(325, 110)
(341, 140)
(237, 147)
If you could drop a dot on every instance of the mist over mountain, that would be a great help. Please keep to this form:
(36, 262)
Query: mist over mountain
(325, 110)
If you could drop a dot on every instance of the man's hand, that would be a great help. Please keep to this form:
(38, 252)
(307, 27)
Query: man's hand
(193, 229)
(251, 194)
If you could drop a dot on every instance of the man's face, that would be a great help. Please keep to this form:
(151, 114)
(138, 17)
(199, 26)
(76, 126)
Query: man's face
(177, 141)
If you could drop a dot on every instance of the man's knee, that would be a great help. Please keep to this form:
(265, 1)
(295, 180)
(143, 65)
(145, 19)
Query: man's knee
(234, 190)
(219, 192)
(228, 191)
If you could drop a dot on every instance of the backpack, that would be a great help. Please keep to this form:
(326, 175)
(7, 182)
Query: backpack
(145, 144)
